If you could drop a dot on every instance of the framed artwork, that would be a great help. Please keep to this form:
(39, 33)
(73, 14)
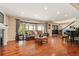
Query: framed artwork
(49, 26)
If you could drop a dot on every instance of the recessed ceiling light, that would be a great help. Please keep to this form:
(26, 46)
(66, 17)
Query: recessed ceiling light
(58, 12)
(22, 12)
(35, 16)
(45, 8)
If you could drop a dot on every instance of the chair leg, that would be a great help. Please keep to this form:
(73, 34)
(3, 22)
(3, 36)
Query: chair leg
(62, 38)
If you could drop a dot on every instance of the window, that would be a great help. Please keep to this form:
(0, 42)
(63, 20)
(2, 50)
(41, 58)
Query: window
(43, 27)
(40, 27)
(27, 27)
(33, 27)
(30, 27)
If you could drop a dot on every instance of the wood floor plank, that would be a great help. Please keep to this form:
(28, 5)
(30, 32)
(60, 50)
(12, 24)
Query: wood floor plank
(54, 47)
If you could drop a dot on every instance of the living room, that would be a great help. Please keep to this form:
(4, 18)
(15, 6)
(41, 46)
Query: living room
(39, 29)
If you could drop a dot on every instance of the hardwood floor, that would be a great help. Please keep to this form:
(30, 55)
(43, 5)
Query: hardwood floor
(54, 47)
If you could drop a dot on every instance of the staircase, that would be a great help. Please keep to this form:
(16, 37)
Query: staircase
(70, 24)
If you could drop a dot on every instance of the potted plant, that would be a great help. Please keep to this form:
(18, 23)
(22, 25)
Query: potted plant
(21, 31)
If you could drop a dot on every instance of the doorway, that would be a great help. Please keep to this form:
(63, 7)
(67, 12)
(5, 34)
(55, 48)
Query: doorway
(54, 29)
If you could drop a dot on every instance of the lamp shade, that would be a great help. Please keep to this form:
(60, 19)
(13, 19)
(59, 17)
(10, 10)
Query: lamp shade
(2, 26)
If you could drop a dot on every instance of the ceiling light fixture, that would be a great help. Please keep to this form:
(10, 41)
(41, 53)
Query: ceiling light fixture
(58, 12)
(22, 12)
(35, 16)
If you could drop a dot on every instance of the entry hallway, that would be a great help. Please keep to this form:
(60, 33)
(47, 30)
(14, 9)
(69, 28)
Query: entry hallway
(54, 47)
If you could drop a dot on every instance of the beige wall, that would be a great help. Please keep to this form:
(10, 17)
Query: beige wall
(49, 30)
(11, 32)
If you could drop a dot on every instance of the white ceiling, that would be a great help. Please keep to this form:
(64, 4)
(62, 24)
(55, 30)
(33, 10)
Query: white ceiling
(40, 11)
(65, 22)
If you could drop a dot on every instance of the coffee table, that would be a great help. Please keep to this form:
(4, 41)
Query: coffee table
(41, 40)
